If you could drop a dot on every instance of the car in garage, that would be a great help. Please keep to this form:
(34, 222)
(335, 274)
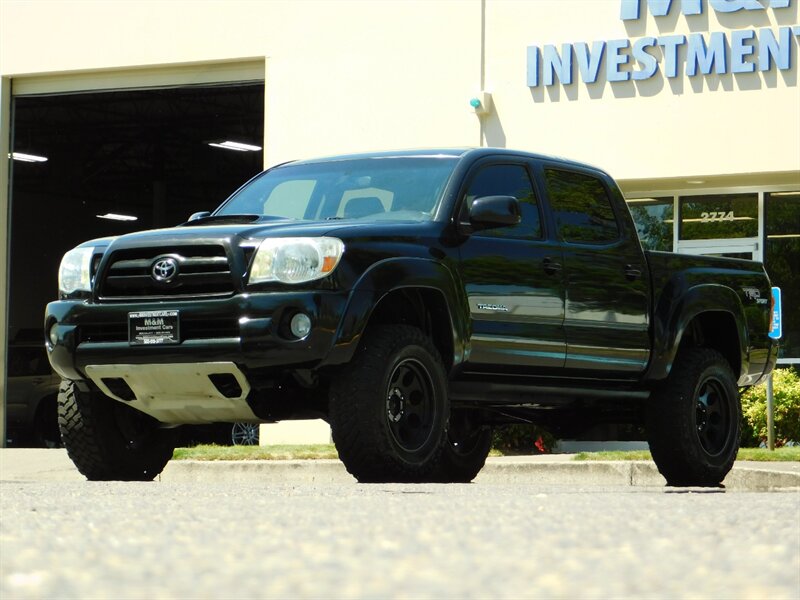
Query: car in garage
(31, 394)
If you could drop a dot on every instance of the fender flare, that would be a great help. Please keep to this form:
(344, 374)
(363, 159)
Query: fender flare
(673, 316)
(387, 276)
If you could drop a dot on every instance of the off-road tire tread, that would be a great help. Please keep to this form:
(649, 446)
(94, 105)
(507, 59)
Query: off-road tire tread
(77, 424)
(453, 468)
(670, 427)
(88, 433)
(363, 447)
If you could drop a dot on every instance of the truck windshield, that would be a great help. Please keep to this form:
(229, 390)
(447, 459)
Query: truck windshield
(392, 188)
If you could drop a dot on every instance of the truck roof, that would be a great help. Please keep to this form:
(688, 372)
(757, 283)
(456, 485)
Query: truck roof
(471, 152)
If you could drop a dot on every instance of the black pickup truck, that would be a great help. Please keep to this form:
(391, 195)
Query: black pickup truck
(414, 300)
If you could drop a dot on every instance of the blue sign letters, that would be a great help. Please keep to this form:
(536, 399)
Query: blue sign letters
(737, 51)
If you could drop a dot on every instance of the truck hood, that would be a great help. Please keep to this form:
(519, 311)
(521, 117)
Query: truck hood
(237, 233)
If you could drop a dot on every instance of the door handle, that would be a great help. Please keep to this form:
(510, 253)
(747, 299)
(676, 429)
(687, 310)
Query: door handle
(632, 273)
(551, 267)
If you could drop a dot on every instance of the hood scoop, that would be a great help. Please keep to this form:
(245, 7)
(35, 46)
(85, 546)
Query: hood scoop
(222, 220)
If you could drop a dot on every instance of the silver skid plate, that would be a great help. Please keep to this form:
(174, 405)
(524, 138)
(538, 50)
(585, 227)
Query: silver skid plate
(178, 393)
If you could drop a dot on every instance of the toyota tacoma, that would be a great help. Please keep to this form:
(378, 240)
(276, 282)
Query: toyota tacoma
(414, 300)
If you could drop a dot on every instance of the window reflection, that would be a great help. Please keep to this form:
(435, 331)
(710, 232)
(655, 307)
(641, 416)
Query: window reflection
(719, 216)
(782, 260)
(654, 220)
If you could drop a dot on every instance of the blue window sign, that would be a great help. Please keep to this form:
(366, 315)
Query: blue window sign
(776, 327)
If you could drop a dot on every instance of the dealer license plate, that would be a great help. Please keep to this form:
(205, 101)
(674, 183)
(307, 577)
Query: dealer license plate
(153, 327)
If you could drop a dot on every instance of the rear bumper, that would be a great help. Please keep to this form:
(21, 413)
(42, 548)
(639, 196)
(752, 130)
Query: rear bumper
(770, 363)
(249, 330)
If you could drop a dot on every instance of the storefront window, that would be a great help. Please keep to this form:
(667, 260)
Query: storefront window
(720, 216)
(654, 221)
(782, 260)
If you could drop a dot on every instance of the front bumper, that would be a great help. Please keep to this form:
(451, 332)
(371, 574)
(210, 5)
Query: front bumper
(249, 330)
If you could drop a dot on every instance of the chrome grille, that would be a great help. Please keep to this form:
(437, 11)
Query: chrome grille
(203, 271)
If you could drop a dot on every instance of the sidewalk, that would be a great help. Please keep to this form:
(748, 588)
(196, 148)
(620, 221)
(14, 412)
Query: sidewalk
(551, 469)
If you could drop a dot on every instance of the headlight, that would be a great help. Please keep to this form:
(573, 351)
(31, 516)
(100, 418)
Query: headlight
(295, 260)
(74, 274)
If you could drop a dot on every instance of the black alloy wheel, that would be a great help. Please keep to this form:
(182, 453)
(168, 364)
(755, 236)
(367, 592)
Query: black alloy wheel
(693, 420)
(410, 405)
(388, 407)
(713, 416)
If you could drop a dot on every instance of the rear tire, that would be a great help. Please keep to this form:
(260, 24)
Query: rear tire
(110, 441)
(388, 408)
(464, 454)
(693, 420)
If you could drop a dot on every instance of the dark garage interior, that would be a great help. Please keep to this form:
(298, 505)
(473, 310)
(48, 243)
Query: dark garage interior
(116, 162)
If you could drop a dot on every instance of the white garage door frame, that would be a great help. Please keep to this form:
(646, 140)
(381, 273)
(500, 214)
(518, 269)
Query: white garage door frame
(73, 82)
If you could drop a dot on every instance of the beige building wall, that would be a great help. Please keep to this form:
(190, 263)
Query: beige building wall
(348, 76)
(343, 76)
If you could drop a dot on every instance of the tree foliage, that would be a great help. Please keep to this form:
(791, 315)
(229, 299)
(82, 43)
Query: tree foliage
(786, 397)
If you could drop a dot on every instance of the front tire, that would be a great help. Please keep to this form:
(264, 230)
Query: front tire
(389, 407)
(110, 441)
(693, 421)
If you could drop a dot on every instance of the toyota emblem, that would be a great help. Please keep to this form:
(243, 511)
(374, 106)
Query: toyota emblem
(164, 270)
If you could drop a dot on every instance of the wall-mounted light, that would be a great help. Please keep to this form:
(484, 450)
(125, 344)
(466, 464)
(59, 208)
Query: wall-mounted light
(116, 217)
(237, 146)
(481, 103)
(21, 156)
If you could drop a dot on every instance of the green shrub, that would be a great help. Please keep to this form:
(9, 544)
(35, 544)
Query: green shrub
(521, 439)
(786, 397)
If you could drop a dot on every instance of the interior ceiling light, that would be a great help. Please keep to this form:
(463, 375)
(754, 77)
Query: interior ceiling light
(695, 181)
(116, 217)
(784, 193)
(21, 156)
(238, 146)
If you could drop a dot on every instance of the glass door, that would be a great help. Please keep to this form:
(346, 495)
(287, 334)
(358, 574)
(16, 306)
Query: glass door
(719, 225)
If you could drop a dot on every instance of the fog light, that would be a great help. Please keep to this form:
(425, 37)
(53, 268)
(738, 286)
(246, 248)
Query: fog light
(53, 335)
(300, 325)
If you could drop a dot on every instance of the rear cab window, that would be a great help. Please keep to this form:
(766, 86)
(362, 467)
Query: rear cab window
(581, 207)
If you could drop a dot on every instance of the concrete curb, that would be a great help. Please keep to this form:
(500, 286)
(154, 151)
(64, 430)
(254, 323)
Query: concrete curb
(33, 465)
(496, 472)
(258, 471)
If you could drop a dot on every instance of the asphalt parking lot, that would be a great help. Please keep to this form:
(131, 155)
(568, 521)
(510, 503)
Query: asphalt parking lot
(250, 535)
(556, 469)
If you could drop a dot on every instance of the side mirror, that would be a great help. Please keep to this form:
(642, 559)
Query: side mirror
(199, 215)
(488, 212)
